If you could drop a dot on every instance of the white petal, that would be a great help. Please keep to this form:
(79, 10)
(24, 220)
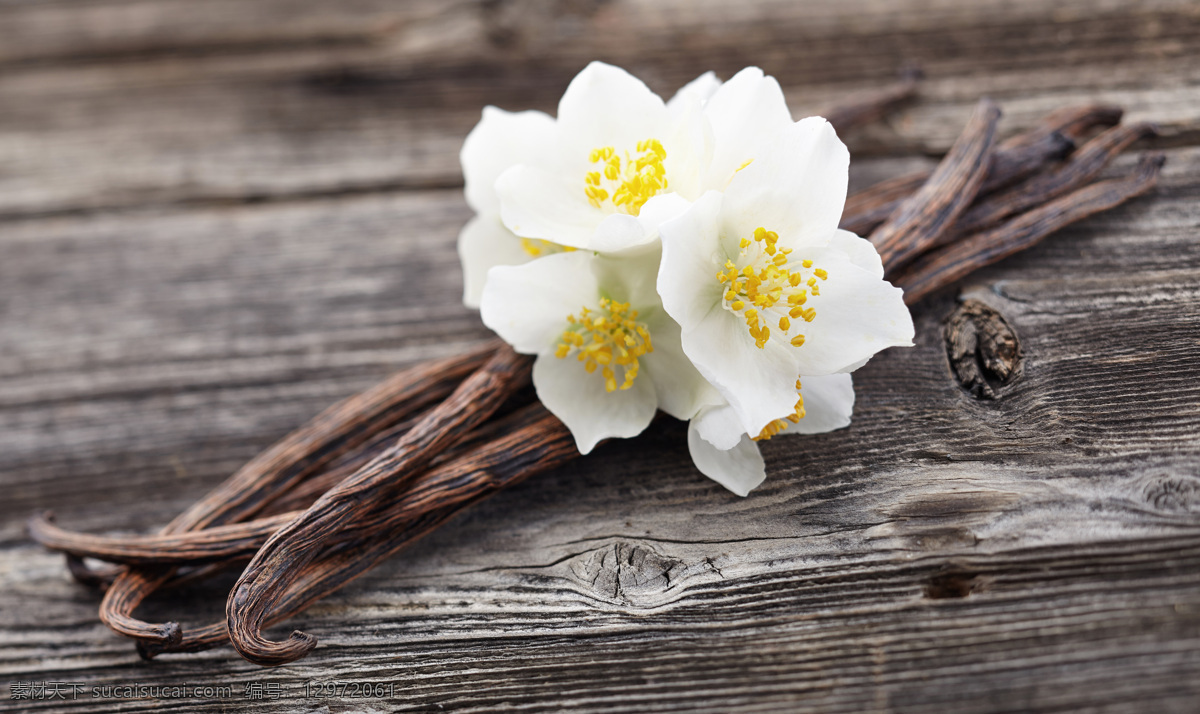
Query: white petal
(662, 208)
(606, 106)
(700, 88)
(528, 304)
(621, 233)
(631, 235)
(760, 384)
(689, 144)
(536, 203)
(857, 315)
(687, 278)
(501, 139)
(679, 386)
(739, 469)
(630, 278)
(744, 112)
(484, 243)
(855, 366)
(860, 251)
(797, 187)
(828, 404)
(580, 401)
(719, 425)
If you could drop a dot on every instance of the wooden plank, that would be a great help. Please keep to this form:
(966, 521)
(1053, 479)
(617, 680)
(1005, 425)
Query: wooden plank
(1041, 548)
(214, 106)
(217, 218)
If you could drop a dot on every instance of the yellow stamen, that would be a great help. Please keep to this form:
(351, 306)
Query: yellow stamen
(630, 182)
(765, 280)
(604, 337)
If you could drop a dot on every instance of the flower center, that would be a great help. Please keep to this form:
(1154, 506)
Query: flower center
(766, 280)
(626, 185)
(538, 247)
(780, 424)
(610, 338)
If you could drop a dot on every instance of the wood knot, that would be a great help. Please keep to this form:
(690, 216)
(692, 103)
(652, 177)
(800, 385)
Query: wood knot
(628, 573)
(1173, 494)
(951, 585)
(984, 351)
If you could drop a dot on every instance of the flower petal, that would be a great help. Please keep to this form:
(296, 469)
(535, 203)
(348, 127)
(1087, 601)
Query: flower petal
(719, 425)
(630, 278)
(528, 304)
(828, 404)
(483, 243)
(689, 144)
(744, 113)
(796, 187)
(857, 315)
(687, 276)
(501, 139)
(537, 203)
(760, 384)
(660, 209)
(606, 106)
(679, 386)
(700, 88)
(580, 401)
(738, 469)
(860, 251)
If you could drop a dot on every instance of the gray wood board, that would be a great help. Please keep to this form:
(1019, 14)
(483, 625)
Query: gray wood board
(214, 224)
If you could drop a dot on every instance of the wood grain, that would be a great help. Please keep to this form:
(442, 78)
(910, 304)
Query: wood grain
(218, 219)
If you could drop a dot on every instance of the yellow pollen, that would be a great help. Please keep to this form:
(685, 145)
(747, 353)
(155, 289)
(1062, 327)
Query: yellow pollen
(538, 247)
(764, 280)
(606, 337)
(780, 424)
(626, 184)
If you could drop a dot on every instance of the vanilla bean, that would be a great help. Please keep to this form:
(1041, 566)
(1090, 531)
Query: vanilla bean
(330, 434)
(306, 493)
(100, 578)
(297, 456)
(243, 538)
(947, 265)
(295, 545)
(531, 443)
(1016, 158)
(186, 547)
(920, 220)
(1056, 134)
(1082, 167)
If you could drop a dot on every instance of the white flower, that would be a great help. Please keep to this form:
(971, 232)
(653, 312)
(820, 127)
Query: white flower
(746, 109)
(609, 170)
(766, 288)
(608, 356)
(620, 161)
(751, 285)
(500, 140)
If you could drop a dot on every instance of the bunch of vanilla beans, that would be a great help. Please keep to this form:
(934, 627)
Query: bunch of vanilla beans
(372, 474)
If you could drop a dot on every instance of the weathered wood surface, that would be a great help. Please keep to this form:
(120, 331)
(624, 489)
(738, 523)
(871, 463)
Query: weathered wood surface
(218, 218)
